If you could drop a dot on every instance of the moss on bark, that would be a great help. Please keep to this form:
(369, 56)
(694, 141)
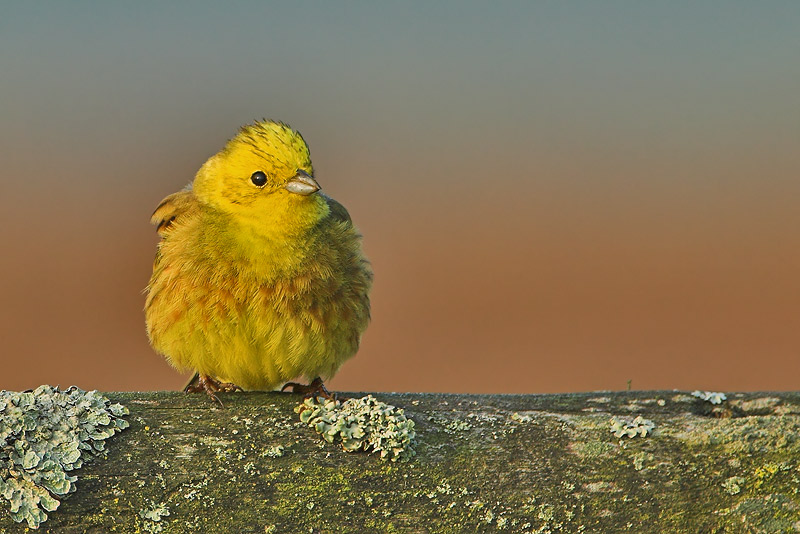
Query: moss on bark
(484, 463)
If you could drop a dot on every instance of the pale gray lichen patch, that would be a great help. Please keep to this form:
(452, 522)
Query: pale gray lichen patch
(521, 418)
(364, 424)
(274, 451)
(451, 425)
(639, 459)
(714, 397)
(639, 426)
(733, 485)
(44, 434)
(151, 517)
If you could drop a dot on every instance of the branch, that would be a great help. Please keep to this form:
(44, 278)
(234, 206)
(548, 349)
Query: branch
(484, 463)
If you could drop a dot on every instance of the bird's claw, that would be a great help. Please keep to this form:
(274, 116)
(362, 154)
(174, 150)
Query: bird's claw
(210, 386)
(315, 389)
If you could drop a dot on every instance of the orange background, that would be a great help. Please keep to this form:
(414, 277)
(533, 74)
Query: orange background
(555, 197)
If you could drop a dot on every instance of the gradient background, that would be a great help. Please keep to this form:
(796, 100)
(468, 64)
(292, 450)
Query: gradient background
(555, 196)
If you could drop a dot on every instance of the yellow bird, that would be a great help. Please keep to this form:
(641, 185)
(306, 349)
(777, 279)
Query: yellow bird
(259, 277)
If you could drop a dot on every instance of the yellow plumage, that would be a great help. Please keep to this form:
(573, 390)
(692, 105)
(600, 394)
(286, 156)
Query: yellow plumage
(259, 278)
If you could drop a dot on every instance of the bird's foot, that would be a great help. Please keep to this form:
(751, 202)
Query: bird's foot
(211, 387)
(315, 389)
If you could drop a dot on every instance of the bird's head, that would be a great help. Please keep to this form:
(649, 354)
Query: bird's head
(263, 174)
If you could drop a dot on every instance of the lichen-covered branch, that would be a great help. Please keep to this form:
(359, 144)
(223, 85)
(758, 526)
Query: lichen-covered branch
(44, 434)
(597, 462)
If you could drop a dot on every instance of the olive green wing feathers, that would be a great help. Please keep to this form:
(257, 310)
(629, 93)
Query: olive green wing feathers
(172, 208)
(175, 207)
(338, 212)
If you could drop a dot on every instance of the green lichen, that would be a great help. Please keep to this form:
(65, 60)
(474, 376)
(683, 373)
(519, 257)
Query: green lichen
(639, 426)
(44, 434)
(364, 424)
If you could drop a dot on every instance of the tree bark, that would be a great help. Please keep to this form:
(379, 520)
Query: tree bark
(484, 463)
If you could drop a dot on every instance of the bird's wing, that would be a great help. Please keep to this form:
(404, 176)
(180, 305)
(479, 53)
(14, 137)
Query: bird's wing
(338, 212)
(171, 208)
(175, 207)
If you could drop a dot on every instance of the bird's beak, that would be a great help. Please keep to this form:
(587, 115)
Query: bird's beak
(302, 184)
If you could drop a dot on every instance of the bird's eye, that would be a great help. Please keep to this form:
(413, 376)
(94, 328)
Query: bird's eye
(258, 178)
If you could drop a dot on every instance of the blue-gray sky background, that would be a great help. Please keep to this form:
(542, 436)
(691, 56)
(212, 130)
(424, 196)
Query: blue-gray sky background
(555, 196)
